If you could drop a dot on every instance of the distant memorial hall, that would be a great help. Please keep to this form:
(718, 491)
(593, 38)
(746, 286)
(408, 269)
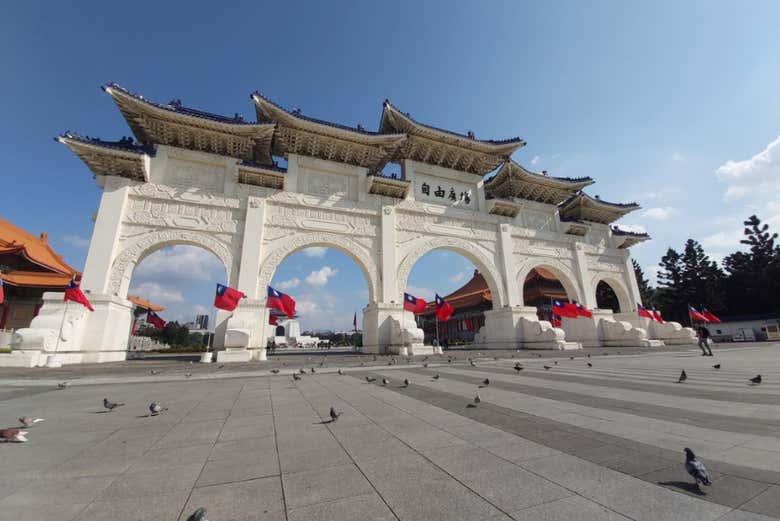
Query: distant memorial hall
(196, 178)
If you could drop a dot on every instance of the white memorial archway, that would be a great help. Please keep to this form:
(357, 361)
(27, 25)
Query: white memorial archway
(191, 177)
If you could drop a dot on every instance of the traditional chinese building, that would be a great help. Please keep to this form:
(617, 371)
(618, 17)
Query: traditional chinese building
(29, 268)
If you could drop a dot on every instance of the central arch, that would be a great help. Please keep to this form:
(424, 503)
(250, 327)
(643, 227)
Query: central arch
(616, 285)
(282, 248)
(473, 253)
(561, 272)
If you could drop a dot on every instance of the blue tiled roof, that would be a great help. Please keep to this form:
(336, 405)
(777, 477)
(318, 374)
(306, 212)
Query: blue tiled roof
(457, 134)
(618, 231)
(126, 144)
(176, 107)
(562, 179)
(299, 115)
(583, 194)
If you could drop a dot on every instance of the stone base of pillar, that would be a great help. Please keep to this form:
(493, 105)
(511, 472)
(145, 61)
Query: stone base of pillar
(27, 358)
(669, 333)
(519, 327)
(388, 329)
(68, 333)
(615, 332)
(234, 354)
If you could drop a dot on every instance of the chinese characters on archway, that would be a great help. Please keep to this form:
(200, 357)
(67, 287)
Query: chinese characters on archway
(442, 193)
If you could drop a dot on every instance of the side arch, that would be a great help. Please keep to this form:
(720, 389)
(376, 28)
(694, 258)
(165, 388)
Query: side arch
(138, 250)
(563, 273)
(618, 286)
(279, 249)
(484, 263)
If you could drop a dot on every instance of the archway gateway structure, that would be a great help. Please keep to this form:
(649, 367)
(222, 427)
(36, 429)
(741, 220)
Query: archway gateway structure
(192, 177)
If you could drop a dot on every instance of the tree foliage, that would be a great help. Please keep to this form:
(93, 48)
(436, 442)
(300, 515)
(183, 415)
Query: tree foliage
(173, 334)
(646, 292)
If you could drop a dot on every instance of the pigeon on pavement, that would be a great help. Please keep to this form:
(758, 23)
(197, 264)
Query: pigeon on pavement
(425, 365)
(370, 379)
(296, 376)
(13, 435)
(340, 371)
(436, 376)
(546, 367)
(108, 404)
(187, 375)
(385, 381)
(198, 515)
(155, 408)
(152, 372)
(302, 370)
(477, 399)
(472, 363)
(406, 382)
(518, 367)
(485, 382)
(275, 371)
(312, 370)
(683, 377)
(590, 364)
(696, 469)
(716, 366)
(63, 385)
(756, 379)
(29, 422)
(333, 414)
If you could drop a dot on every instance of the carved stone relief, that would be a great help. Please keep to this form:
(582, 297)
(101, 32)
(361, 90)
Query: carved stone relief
(181, 215)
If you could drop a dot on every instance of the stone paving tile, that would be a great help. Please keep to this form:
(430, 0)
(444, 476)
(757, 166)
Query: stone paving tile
(318, 486)
(254, 500)
(58, 490)
(154, 507)
(358, 508)
(168, 457)
(239, 468)
(246, 446)
(34, 511)
(568, 509)
(574, 473)
(767, 503)
(147, 483)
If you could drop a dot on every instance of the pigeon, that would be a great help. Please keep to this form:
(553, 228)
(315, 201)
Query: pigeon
(221, 366)
(590, 365)
(155, 408)
(547, 367)
(108, 404)
(472, 363)
(302, 370)
(153, 372)
(340, 372)
(13, 435)
(756, 379)
(385, 381)
(716, 366)
(198, 515)
(29, 422)
(555, 362)
(425, 365)
(588, 355)
(406, 382)
(518, 367)
(477, 399)
(485, 382)
(449, 360)
(187, 375)
(333, 414)
(436, 376)
(683, 377)
(370, 379)
(63, 385)
(296, 376)
(571, 358)
(275, 371)
(696, 469)
(312, 370)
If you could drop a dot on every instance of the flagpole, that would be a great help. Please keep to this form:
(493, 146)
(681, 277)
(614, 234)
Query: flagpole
(62, 323)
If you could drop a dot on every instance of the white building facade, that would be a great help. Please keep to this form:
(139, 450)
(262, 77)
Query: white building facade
(200, 179)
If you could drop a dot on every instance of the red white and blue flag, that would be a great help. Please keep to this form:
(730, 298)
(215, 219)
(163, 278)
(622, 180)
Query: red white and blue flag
(709, 316)
(564, 309)
(555, 321)
(73, 292)
(281, 301)
(227, 298)
(695, 316)
(657, 315)
(354, 322)
(155, 319)
(414, 304)
(273, 320)
(444, 309)
(582, 311)
(643, 312)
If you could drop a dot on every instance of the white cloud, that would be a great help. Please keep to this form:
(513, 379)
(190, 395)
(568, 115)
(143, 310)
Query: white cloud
(182, 263)
(459, 277)
(306, 307)
(651, 272)
(315, 251)
(288, 284)
(321, 276)
(760, 174)
(728, 239)
(535, 160)
(157, 293)
(659, 213)
(76, 240)
(678, 157)
(423, 293)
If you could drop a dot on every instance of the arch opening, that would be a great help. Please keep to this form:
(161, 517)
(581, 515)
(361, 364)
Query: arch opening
(610, 294)
(540, 287)
(462, 284)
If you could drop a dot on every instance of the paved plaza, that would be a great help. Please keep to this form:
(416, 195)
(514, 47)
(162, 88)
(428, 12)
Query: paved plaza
(569, 442)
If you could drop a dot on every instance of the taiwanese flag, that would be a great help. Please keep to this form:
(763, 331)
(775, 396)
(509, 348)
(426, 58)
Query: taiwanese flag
(709, 316)
(73, 292)
(566, 309)
(582, 311)
(280, 301)
(443, 309)
(354, 322)
(227, 298)
(695, 316)
(273, 320)
(643, 312)
(555, 321)
(155, 319)
(414, 304)
(657, 315)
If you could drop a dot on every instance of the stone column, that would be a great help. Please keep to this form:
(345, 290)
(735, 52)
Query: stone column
(105, 236)
(508, 268)
(245, 335)
(583, 276)
(631, 283)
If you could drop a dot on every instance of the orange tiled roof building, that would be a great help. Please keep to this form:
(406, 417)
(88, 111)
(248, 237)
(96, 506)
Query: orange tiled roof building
(473, 298)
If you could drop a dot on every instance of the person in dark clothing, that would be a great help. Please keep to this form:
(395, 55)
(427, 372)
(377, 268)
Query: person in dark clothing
(704, 341)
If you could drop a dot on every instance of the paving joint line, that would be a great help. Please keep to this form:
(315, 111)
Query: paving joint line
(276, 446)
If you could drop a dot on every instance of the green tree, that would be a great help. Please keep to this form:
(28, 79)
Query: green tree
(646, 292)
(753, 281)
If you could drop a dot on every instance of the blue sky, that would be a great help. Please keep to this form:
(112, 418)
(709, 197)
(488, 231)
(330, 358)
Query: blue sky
(671, 104)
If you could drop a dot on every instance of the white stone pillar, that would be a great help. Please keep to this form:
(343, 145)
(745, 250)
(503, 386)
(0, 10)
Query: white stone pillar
(508, 266)
(583, 276)
(387, 257)
(105, 236)
(631, 283)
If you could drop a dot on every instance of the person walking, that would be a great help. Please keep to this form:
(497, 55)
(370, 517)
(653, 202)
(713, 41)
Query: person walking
(704, 341)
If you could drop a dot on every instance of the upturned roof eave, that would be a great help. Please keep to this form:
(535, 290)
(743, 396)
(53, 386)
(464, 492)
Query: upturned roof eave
(513, 169)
